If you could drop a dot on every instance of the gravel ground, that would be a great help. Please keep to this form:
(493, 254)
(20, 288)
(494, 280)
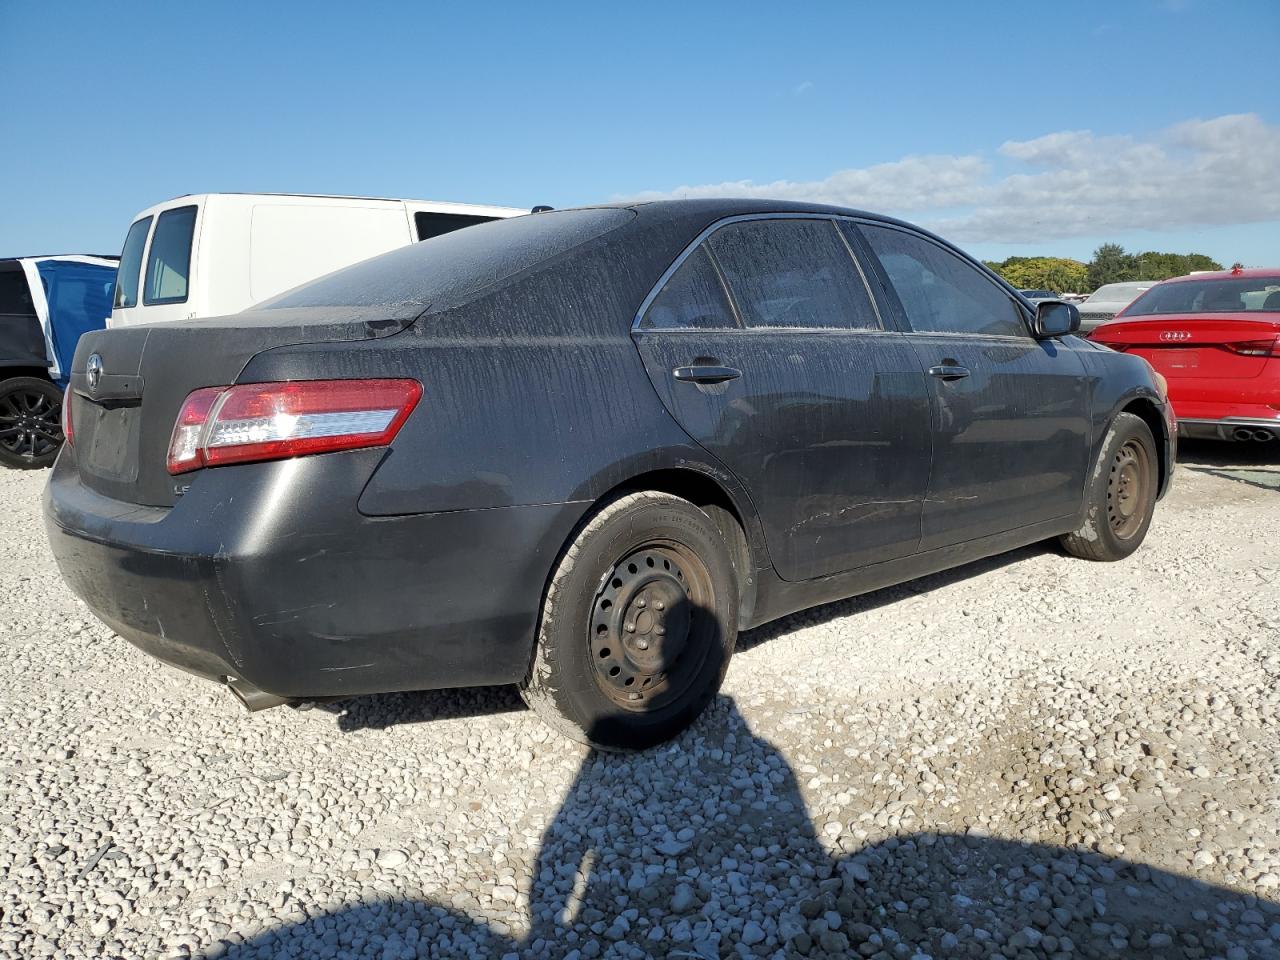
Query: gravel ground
(1031, 756)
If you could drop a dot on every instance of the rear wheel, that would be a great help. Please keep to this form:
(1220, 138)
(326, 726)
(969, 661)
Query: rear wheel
(638, 625)
(30, 422)
(1122, 494)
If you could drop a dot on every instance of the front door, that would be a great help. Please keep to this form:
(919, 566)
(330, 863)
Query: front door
(765, 346)
(1011, 413)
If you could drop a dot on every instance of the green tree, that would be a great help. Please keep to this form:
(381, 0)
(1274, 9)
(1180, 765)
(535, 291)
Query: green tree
(1043, 273)
(1111, 264)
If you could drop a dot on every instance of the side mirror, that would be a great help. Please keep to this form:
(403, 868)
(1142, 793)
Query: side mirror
(1055, 318)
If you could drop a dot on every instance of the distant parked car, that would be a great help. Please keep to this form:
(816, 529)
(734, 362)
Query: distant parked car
(1216, 338)
(212, 254)
(1036, 296)
(1108, 300)
(46, 303)
(578, 451)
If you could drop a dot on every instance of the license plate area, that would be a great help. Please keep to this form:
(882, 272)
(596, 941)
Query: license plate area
(107, 439)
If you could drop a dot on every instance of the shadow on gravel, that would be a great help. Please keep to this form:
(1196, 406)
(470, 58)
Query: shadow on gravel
(705, 848)
(383, 710)
(1221, 453)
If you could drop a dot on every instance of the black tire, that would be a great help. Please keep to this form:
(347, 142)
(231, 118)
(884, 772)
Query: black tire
(1121, 496)
(638, 624)
(30, 422)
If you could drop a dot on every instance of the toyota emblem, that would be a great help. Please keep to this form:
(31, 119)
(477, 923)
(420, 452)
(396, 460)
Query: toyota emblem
(93, 370)
(1168, 335)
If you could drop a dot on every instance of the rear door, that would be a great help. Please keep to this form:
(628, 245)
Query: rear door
(765, 345)
(1011, 413)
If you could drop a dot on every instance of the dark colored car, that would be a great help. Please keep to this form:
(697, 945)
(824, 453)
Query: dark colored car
(580, 450)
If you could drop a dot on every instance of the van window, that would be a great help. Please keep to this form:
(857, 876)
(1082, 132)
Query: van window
(15, 295)
(169, 263)
(130, 264)
(430, 224)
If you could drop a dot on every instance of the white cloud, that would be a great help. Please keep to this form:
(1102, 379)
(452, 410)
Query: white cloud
(1067, 184)
(802, 87)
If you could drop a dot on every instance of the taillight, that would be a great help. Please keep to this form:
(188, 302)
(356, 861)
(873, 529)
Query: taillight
(1255, 348)
(66, 415)
(271, 421)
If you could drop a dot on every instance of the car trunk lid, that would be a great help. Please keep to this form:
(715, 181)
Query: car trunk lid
(1189, 346)
(129, 384)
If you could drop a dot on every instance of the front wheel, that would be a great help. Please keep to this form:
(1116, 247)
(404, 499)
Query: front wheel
(637, 626)
(1121, 497)
(30, 422)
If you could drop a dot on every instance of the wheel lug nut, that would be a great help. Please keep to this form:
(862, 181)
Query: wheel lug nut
(631, 628)
(660, 631)
(642, 644)
(641, 603)
(659, 605)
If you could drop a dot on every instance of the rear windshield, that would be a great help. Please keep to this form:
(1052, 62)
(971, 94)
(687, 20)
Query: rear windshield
(130, 264)
(451, 269)
(169, 262)
(1242, 295)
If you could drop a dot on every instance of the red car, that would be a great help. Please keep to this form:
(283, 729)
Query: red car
(1215, 337)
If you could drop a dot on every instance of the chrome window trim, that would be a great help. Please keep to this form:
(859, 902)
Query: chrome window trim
(741, 326)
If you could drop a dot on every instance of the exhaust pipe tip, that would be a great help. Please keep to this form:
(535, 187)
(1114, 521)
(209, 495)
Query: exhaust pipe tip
(253, 699)
(1263, 436)
(1242, 434)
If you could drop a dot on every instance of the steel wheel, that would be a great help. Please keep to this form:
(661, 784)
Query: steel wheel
(650, 626)
(1127, 489)
(30, 427)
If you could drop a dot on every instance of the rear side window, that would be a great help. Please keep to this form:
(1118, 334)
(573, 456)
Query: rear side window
(429, 224)
(940, 292)
(692, 298)
(792, 273)
(130, 264)
(169, 263)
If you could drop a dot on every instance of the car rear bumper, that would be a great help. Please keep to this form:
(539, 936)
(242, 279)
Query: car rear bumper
(267, 573)
(1231, 428)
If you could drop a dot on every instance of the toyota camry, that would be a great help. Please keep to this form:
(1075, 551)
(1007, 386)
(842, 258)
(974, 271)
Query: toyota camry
(579, 451)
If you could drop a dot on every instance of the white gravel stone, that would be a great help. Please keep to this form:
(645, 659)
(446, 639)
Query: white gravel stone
(1023, 755)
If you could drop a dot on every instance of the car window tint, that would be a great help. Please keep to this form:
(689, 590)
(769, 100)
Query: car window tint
(169, 261)
(792, 273)
(15, 295)
(130, 264)
(692, 297)
(429, 224)
(940, 292)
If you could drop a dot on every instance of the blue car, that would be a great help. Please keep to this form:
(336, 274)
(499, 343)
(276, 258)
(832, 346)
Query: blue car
(46, 303)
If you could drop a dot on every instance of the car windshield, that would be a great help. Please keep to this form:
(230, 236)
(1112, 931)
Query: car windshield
(1234, 295)
(1117, 292)
(1039, 294)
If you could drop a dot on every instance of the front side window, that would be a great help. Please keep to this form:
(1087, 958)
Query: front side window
(692, 298)
(169, 263)
(130, 263)
(939, 291)
(792, 273)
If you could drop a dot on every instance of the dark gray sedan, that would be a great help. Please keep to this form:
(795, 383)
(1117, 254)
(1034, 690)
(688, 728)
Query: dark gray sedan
(580, 450)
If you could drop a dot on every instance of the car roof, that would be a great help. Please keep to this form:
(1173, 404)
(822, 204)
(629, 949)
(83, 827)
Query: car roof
(1264, 273)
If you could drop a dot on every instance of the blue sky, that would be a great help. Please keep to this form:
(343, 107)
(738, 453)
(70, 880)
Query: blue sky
(1013, 127)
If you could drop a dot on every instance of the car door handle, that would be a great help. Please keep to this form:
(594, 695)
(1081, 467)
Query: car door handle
(706, 374)
(949, 371)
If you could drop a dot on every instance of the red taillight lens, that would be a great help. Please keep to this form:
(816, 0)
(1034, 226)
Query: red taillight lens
(270, 421)
(1255, 348)
(67, 431)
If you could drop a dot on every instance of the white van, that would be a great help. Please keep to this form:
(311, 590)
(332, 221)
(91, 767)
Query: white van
(210, 254)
